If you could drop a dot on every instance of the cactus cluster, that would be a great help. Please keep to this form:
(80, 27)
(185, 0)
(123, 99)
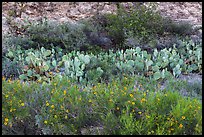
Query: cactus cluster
(159, 65)
(39, 64)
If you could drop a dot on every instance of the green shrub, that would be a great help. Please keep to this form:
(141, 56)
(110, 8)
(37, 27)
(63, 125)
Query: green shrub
(121, 107)
(181, 28)
(12, 63)
(133, 23)
(49, 33)
(11, 68)
(141, 23)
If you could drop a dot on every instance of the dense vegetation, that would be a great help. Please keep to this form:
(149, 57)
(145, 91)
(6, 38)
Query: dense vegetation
(105, 72)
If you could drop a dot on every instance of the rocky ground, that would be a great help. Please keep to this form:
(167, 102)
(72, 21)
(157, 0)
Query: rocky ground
(73, 11)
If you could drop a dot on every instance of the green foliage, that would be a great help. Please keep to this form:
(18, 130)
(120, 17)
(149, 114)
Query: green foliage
(12, 63)
(123, 106)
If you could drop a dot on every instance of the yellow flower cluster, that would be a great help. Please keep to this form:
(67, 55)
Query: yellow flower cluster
(47, 104)
(12, 110)
(6, 121)
(142, 100)
(131, 95)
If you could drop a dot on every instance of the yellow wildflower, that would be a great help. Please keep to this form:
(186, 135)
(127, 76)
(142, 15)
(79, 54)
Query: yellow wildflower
(143, 100)
(80, 99)
(67, 111)
(5, 123)
(47, 104)
(133, 103)
(55, 116)
(90, 100)
(117, 108)
(131, 95)
(133, 110)
(6, 96)
(45, 121)
(183, 117)
(6, 119)
(125, 88)
(140, 112)
(52, 106)
(65, 92)
(94, 93)
(144, 94)
(65, 117)
(180, 126)
(22, 104)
